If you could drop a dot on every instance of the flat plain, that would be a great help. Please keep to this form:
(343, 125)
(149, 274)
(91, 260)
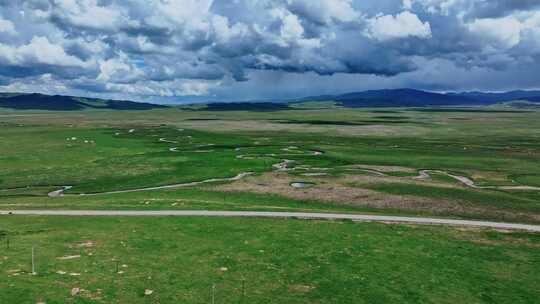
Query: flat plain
(466, 163)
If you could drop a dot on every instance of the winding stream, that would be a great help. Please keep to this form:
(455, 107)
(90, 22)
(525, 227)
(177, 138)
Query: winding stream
(283, 166)
(424, 174)
(60, 192)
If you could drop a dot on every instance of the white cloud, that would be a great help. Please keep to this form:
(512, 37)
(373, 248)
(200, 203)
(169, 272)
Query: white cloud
(405, 24)
(7, 26)
(193, 15)
(118, 69)
(89, 14)
(45, 83)
(439, 6)
(497, 32)
(224, 33)
(183, 10)
(164, 88)
(291, 28)
(39, 51)
(407, 4)
(326, 10)
(531, 31)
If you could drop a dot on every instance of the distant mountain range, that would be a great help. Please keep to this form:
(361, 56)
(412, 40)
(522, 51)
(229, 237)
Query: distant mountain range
(418, 98)
(67, 103)
(364, 99)
(532, 96)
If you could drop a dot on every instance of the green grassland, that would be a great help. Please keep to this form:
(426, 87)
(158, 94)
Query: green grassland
(98, 151)
(262, 261)
(373, 152)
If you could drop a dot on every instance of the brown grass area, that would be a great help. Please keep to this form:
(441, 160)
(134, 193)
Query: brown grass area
(335, 190)
(357, 180)
(347, 190)
(263, 125)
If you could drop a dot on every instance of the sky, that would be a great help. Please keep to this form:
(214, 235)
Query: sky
(231, 50)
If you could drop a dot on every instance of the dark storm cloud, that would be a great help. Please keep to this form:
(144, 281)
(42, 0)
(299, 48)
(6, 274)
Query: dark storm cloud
(169, 48)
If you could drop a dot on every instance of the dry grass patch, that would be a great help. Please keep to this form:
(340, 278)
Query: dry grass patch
(264, 125)
(338, 190)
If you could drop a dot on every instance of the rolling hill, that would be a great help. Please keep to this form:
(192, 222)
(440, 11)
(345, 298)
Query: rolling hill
(246, 106)
(67, 103)
(419, 98)
(365, 99)
(501, 97)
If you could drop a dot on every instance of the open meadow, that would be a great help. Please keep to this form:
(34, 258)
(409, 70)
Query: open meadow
(478, 163)
(118, 260)
(460, 163)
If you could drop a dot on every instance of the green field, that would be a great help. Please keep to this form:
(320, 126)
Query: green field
(365, 161)
(278, 261)
(103, 151)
